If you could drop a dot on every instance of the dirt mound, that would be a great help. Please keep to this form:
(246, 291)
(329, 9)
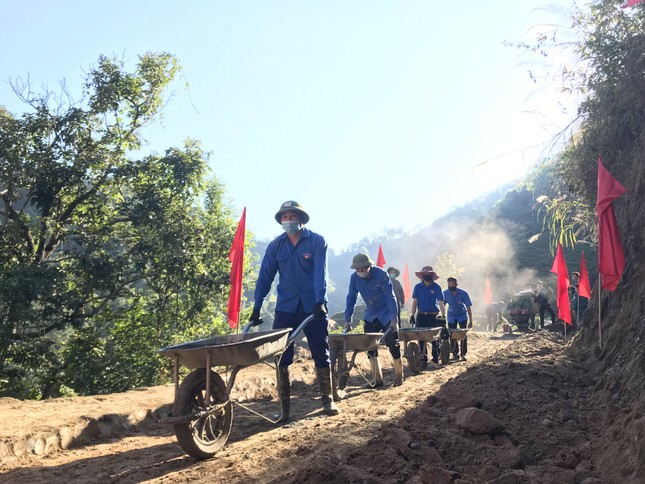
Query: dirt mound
(551, 428)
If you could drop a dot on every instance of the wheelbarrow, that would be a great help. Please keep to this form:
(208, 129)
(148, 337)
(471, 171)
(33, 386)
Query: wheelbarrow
(456, 334)
(339, 345)
(411, 350)
(202, 412)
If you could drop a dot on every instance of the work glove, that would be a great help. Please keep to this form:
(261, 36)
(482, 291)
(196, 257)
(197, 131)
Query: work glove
(255, 318)
(394, 325)
(412, 321)
(320, 310)
(348, 327)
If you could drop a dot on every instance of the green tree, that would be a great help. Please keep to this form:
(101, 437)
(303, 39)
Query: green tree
(104, 258)
(446, 267)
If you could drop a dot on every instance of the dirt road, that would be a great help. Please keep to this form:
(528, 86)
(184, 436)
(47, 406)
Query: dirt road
(411, 433)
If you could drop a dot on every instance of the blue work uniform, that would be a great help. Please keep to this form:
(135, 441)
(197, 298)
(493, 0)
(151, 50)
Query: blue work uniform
(302, 283)
(380, 306)
(428, 298)
(458, 304)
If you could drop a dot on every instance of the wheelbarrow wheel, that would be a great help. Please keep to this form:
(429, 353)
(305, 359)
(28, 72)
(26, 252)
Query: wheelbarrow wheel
(202, 437)
(413, 355)
(444, 349)
(339, 374)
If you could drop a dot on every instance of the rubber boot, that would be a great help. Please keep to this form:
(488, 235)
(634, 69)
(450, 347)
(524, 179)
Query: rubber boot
(324, 380)
(284, 391)
(398, 372)
(377, 374)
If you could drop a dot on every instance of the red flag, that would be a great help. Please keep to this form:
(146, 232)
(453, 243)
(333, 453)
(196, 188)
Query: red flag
(236, 256)
(611, 258)
(488, 298)
(562, 291)
(584, 288)
(407, 291)
(631, 3)
(380, 260)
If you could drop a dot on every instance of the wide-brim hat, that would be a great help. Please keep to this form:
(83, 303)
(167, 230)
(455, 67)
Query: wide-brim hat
(292, 206)
(361, 260)
(427, 270)
(395, 270)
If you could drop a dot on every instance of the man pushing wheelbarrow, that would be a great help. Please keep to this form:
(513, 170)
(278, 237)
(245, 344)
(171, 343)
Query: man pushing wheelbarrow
(381, 312)
(460, 315)
(299, 256)
(427, 303)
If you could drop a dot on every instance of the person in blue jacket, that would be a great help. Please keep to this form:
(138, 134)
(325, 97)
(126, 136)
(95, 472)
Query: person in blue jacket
(299, 256)
(460, 314)
(427, 303)
(381, 311)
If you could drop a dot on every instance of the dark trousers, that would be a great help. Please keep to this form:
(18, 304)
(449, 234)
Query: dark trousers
(428, 321)
(315, 331)
(549, 309)
(454, 344)
(578, 312)
(391, 340)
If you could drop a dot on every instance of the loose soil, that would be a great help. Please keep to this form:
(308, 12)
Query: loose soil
(555, 428)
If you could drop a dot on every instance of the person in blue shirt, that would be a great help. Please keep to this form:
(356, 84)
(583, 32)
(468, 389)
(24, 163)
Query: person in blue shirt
(299, 256)
(381, 311)
(427, 303)
(459, 314)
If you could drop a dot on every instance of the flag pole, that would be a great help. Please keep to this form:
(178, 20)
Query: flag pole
(565, 331)
(599, 313)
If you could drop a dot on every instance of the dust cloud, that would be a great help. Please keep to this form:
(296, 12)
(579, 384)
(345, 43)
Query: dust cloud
(464, 248)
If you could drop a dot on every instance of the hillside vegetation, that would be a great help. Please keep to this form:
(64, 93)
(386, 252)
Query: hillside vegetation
(106, 254)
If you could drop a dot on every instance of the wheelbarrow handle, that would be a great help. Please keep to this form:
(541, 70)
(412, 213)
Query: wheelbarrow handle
(251, 324)
(296, 332)
(381, 341)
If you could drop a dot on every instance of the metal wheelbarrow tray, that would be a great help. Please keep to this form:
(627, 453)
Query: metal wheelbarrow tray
(459, 334)
(419, 334)
(243, 349)
(356, 342)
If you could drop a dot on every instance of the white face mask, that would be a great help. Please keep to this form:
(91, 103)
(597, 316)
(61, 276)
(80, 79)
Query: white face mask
(291, 226)
(363, 274)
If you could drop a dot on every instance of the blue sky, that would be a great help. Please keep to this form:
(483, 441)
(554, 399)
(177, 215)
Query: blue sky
(372, 114)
